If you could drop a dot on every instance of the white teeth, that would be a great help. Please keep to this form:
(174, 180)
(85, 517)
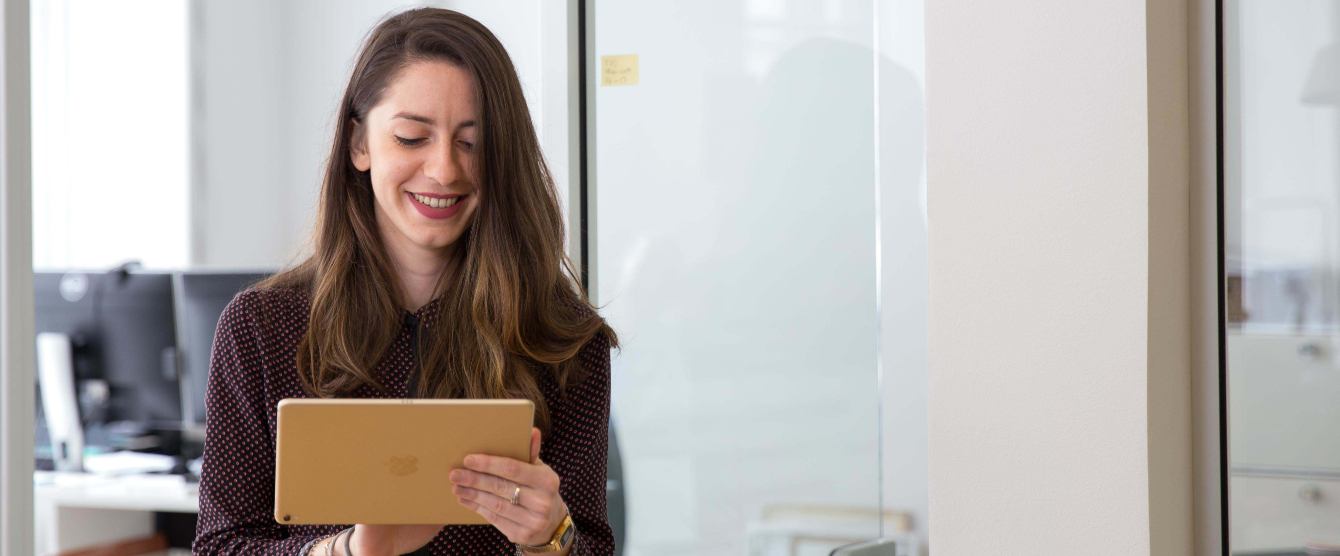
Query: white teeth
(435, 203)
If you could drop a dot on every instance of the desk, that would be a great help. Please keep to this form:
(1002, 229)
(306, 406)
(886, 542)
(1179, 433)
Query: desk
(79, 510)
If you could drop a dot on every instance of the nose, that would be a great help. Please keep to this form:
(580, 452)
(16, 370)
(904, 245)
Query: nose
(444, 163)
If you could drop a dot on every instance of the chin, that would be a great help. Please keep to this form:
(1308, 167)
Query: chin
(437, 241)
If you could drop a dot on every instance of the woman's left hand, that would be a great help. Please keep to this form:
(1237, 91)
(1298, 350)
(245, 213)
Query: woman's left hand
(487, 486)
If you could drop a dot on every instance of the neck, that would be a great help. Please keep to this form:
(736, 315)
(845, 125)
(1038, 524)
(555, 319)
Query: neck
(418, 269)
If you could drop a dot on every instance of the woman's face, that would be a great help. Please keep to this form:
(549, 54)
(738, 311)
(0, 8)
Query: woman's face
(419, 146)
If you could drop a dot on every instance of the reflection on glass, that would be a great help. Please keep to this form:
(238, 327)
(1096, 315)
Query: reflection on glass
(1282, 243)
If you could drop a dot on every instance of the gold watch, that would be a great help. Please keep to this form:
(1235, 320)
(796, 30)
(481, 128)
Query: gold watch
(562, 538)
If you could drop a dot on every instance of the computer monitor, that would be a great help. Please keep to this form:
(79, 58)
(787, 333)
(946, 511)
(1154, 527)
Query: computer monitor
(122, 342)
(201, 298)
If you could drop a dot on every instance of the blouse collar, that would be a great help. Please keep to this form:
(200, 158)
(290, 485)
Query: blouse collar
(428, 313)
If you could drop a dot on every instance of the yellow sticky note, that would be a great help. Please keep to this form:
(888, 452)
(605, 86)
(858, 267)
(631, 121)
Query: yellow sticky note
(618, 70)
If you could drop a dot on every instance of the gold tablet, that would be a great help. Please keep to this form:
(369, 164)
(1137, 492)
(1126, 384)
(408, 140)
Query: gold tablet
(342, 461)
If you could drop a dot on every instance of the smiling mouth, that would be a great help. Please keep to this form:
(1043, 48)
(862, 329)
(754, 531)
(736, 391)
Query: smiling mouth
(432, 202)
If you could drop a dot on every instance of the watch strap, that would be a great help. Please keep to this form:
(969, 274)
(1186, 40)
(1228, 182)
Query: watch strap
(555, 544)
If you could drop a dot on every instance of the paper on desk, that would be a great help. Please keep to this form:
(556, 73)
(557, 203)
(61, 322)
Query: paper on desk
(121, 463)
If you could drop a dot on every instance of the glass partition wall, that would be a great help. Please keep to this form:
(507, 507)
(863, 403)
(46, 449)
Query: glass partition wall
(1281, 160)
(734, 183)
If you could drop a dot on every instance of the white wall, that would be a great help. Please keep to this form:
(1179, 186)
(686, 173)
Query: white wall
(241, 202)
(1057, 188)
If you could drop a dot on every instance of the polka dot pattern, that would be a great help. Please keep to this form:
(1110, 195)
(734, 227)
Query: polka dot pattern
(253, 369)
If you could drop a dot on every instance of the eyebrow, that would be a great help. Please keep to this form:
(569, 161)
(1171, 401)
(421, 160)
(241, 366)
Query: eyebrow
(429, 121)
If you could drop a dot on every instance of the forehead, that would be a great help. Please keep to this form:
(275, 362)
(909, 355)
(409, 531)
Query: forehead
(438, 90)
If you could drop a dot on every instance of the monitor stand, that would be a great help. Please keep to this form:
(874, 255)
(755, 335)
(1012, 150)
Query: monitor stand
(55, 375)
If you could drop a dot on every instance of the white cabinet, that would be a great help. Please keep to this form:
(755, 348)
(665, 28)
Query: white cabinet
(1283, 440)
(1283, 513)
(1284, 400)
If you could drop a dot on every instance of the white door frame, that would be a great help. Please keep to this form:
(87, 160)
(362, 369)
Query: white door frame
(1210, 486)
(16, 286)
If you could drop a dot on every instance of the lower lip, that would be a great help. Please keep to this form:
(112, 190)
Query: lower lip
(436, 213)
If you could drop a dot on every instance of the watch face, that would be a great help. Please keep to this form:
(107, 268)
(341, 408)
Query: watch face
(567, 537)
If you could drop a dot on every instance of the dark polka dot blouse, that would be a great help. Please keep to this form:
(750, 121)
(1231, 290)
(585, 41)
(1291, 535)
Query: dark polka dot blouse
(253, 369)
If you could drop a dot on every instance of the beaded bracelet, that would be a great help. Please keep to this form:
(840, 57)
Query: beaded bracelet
(330, 545)
(306, 548)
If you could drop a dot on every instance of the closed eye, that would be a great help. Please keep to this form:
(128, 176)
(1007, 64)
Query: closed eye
(409, 142)
(468, 145)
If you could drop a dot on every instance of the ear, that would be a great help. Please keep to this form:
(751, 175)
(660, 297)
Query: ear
(358, 146)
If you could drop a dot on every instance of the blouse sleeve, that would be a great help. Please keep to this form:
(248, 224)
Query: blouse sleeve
(237, 476)
(578, 448)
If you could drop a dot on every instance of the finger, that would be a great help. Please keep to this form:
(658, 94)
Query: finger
(524, 515)
(510, 528)
(507, 468)
(530, 496)
(515, 532)
(534, 445)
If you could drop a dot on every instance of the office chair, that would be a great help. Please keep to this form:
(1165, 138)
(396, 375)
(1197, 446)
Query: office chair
(614, 493)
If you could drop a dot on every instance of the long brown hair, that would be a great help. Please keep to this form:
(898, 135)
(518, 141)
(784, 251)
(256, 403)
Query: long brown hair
(513, 309)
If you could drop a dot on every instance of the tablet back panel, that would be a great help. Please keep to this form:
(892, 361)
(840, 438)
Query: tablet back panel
(344, 461)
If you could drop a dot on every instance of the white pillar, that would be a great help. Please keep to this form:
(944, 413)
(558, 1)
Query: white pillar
(1057, 182)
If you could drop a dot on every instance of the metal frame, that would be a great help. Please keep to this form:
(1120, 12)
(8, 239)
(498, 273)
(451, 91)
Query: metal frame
(586, 131)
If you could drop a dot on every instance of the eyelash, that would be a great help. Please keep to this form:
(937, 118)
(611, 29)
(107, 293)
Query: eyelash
(414, 142)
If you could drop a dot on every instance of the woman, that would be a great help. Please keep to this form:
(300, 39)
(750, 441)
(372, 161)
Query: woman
(438, 271)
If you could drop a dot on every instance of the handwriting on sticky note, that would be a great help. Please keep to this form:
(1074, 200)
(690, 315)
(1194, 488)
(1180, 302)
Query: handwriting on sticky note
(618, 70)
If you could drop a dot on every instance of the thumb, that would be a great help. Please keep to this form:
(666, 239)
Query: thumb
(534, 445)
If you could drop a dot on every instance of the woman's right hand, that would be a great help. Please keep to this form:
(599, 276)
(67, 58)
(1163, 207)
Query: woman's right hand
(388, 540)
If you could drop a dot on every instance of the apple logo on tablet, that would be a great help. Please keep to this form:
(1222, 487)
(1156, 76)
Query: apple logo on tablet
(402, 466)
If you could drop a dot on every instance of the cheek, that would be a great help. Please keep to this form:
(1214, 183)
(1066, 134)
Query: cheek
(389, 173)
(399, 169)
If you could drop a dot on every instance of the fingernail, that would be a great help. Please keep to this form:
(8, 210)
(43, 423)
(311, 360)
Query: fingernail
(455, 476)
(471, 461)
